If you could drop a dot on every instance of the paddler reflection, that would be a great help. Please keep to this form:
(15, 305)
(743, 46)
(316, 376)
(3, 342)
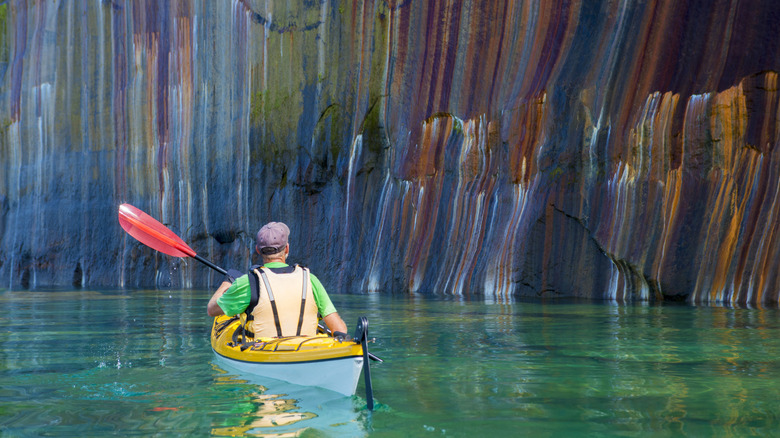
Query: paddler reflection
(269, 411)
(280, 409)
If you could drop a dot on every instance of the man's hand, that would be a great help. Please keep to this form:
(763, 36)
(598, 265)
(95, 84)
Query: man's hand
(231, 275)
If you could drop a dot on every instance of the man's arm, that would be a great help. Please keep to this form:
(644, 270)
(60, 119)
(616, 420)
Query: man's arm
(335, 323)
(213, 308)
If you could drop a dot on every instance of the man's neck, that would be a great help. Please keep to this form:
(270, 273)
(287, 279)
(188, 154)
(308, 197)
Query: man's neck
(273, 260)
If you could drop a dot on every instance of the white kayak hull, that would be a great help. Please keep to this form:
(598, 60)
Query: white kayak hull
(339, 375)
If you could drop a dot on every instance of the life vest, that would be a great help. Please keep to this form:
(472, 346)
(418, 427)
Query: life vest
(285, 303)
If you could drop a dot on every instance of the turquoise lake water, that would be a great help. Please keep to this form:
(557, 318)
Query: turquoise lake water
(139, 363)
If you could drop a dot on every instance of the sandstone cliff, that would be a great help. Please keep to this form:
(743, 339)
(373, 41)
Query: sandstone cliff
(609, 149)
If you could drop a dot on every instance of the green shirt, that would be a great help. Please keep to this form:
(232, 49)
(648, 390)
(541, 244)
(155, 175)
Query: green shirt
(237, 297)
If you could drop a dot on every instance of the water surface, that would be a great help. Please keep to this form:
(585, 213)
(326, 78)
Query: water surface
(138, 363)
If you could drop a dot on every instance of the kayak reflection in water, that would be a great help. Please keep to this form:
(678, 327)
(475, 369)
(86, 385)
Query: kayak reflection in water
(273, 408)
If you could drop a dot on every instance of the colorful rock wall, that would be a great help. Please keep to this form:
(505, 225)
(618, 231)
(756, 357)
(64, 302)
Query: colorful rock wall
(600, 149)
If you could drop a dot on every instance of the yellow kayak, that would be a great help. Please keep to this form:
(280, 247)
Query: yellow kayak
(320, 360)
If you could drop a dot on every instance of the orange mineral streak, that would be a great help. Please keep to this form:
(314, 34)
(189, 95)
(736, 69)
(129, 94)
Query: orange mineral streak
(468, 223)
(426, 195)
(663, 142)
(728, 121)
(463, 216)
(669, 208)
(766, 255)
(650, 43)
(758, 235)
(731, 218)
(552, 28)
(526, 135)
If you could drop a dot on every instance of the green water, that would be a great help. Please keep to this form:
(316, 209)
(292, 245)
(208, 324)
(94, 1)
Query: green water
(138, 363)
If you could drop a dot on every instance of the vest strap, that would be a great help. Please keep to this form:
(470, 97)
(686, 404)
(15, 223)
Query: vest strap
(254, 287)
(273, 303)
(303, 299)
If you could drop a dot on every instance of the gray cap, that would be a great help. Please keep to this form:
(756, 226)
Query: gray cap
(272, 238)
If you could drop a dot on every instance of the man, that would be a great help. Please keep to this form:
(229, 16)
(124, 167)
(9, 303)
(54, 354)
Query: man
(287, 297)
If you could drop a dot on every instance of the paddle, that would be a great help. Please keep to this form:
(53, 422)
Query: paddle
(361, 335)
(155, 235)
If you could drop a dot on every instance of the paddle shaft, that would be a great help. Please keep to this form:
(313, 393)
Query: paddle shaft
(209, 264)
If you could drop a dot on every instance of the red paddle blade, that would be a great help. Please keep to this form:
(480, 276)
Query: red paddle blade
(152, 233)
